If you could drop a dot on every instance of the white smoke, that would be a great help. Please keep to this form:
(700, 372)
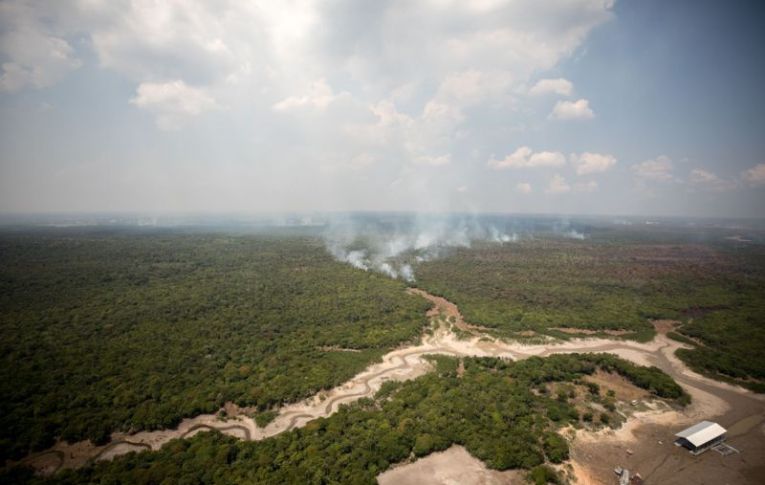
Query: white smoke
(357, 259)
(496, 236)
(394, 247)
(574, 234)
(407, 272)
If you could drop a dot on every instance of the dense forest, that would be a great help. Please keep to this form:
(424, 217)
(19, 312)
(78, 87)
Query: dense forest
(728, 342)
(502, 412)
(107, 330)
(617, 281)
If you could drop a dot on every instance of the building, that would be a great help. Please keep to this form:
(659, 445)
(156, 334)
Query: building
(700, 437)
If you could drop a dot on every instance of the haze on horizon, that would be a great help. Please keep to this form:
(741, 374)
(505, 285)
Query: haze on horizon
(512, 106)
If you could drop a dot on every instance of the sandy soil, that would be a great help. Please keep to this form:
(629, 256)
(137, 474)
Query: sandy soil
(454, 466)
(623, 389)
(645, 443)
(584, 331)
(593, 455)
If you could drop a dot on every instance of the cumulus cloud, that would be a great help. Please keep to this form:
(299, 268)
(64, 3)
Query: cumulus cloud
(755, 176)
(523, 188)
(34, 54)
(311, 84)
(471, 86)
(387, 115)
(173, 102)
(587, 163)
(707, 180)
(560, 86)
(558, 185)
(659, 169)
(572, 110)
(524, 157)
(319, 97)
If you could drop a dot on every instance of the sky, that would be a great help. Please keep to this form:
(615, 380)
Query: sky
(642, 107)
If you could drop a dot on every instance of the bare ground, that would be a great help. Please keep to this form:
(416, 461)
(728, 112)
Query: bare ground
(585, 331)
(454, 466)
(623, 389)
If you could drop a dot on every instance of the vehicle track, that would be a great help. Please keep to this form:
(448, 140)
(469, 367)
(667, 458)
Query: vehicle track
(114, 444)
(247, 434)
(368, 390)
(294, 419)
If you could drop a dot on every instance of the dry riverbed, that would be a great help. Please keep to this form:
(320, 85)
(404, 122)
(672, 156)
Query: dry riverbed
(594, 454)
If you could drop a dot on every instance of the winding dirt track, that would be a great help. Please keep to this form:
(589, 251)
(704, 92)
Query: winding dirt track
(222, 429)
(117, 443)
(294, 419)
(368, 391)
(711, 398)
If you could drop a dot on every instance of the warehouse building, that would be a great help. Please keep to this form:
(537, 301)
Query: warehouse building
(700, 437)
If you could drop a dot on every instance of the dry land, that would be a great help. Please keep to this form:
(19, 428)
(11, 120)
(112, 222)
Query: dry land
(450, 467)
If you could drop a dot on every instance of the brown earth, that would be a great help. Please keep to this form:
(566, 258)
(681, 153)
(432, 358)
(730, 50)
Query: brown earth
(645, 445)
(454, 466)
(623, 389)
(584, 331)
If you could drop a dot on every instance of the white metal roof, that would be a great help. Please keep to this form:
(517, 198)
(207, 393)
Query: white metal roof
(701, 433)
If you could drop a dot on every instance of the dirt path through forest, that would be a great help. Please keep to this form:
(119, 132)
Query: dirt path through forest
(710, 398)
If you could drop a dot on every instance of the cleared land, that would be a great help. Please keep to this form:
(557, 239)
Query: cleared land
(453, 466)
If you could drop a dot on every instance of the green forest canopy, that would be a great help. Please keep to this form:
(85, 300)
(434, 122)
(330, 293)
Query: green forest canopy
(617, 282)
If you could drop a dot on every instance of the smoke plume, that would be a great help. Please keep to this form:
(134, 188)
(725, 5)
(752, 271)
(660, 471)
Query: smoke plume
(394, 245)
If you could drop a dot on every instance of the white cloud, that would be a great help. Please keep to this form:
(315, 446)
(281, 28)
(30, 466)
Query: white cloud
(659, 169)
(388, 115)
(147, 40)
(755, 176)
(356, 78)
(524, 157)
(560, 86)
(471, 86)
(34, 57)
(572, 110)
(435, 111)
(523, 188)
(173, 102)
(707, 180)
(587, 163)
(319, 97)
(558, 185)
(547, 159)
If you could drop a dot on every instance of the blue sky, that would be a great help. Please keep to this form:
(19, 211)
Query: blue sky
(570, 106)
